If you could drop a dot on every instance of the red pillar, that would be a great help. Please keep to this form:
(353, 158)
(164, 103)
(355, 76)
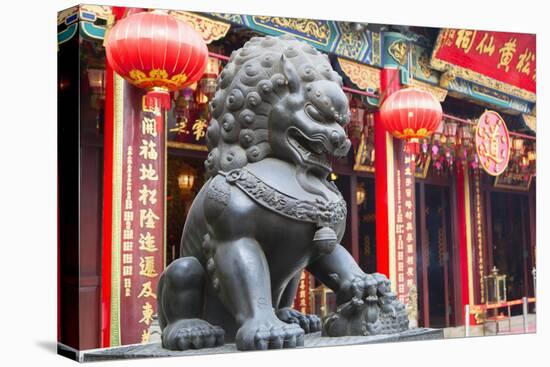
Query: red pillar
(389, 83)
(464, 237)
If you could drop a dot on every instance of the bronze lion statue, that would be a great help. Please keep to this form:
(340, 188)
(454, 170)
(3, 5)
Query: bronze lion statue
(267, 212)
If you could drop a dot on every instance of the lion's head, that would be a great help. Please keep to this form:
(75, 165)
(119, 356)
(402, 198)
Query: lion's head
(277, 97)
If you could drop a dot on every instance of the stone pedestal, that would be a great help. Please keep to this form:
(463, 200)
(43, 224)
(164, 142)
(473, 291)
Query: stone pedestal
(311, 341)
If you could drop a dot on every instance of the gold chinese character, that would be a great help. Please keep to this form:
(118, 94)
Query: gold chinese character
(147, 149)
(485, 47)
(127, 246)
(524, 62)
(399, 228)
(149, 126)
(493, 138)
(148, 172)
(145, 336)
(181, 127)
(147, 290)
(147, 266)
(127, 234)
(127, 270)
(147, 242)
(127, 258)
(146, 194)
(507, 53)
(147, 218)
(127, 287)
(465, 39)
(128, 216)
(147, 312)
(448, 36)
(199, 129)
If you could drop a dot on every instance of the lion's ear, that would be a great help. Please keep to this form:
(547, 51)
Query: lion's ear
(291, 75)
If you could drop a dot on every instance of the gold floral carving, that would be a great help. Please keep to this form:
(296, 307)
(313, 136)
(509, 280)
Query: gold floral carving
(361, 75)
(210, 30)
(318, 31)
(398, 50)
(424, 64)
(437, 92)
(530, 121)
(64, 14)
(157, 78)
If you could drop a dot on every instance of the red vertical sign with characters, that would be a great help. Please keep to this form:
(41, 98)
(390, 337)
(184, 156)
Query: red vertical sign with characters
(302, 301)
(405, 234)
(142, 215)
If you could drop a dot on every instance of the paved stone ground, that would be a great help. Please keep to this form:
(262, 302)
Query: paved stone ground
(310, 341)
(516, 324)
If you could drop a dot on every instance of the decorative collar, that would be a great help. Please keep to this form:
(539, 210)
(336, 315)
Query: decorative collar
(320, 212)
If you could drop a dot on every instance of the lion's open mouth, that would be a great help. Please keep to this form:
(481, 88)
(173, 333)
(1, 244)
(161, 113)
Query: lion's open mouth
(311, 151)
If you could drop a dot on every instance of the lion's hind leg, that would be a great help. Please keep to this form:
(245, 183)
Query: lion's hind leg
(180, 305)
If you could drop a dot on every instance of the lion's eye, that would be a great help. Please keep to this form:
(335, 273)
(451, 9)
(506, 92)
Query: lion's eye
(314, 113)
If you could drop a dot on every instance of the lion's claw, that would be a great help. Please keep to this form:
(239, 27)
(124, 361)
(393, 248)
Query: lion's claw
(269, 334)
(310, 323)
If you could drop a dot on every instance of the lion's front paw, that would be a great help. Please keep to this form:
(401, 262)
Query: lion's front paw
(191, 334)
(261, 334)
(355, 317)
(310, 323)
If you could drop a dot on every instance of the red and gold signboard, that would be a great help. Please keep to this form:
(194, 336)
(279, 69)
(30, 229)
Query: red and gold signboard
(405, 233)
(138, 214)
(187, 125)
(492, 143)
(498, 60)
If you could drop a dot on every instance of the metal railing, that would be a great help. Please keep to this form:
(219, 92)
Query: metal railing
(475, 309)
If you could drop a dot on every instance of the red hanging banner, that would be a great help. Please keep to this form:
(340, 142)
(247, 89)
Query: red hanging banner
(302, 299)
(498, 60)
(138, 213)
(405, 233)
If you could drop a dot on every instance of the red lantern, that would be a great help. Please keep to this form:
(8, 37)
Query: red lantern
(158, 52)
(411, 113)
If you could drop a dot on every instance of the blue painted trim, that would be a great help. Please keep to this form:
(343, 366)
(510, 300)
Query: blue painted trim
(71, 19)
(67, 34)
(88, 16)
(92, 31)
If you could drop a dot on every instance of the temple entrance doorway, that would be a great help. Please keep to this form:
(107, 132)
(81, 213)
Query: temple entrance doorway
(434, 255)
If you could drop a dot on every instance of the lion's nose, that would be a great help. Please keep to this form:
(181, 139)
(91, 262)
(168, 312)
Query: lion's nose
(343, 149)
(337, 139)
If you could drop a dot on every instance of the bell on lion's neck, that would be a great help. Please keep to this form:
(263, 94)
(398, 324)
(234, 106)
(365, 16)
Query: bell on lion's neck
(325, 240)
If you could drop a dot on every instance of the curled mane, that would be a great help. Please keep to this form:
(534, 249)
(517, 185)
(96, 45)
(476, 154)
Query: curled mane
(250, 84)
